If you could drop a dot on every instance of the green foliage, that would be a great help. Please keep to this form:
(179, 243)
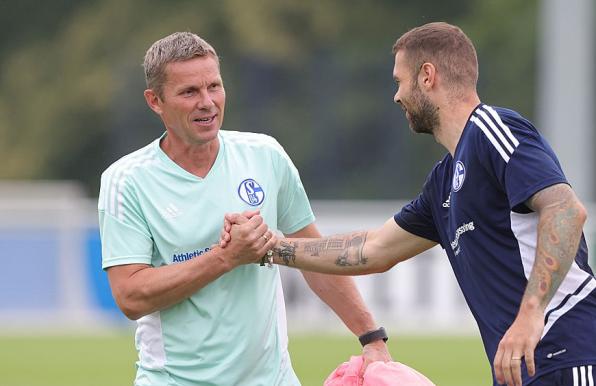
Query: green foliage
(75, 360)
(316, 75)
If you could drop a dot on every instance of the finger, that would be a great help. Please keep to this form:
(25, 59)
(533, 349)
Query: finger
(529, 357)
(254, 222)
(235, 218)
(251, 213)
(516, 369)
(227, 224)
(225, 240)
(507, 369)
(261, 233)
(270, 244)
(498, 366)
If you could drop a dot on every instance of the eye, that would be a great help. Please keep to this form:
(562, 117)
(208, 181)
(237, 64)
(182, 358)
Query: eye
(214, 86)
(188, 92)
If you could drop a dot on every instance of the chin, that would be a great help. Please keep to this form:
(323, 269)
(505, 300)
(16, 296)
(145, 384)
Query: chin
(207, 135)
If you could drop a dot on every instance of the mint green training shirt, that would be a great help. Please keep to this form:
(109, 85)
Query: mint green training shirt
(151, 211)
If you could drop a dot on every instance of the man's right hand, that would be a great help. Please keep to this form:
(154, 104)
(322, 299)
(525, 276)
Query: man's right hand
(234, 218)
(249, 239)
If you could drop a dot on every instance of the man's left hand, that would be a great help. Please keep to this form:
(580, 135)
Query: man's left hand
(518, 343)
(373, 352)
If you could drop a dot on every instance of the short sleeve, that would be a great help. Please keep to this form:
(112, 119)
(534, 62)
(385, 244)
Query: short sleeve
(532, 167)
(516, 156)
(293, 208)
(417, 218)
(125, 236)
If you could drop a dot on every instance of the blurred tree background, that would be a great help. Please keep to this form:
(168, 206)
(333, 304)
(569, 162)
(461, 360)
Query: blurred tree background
(317, 75)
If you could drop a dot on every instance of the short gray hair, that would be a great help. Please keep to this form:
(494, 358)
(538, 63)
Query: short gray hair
(177, 47)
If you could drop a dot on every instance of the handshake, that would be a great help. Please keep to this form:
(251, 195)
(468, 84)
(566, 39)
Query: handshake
(247, 239)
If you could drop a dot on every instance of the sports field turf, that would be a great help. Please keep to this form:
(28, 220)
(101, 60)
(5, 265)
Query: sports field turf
(108, 360)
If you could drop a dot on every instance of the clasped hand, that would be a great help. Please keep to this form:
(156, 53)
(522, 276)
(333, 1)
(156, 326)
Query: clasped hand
(246, 237)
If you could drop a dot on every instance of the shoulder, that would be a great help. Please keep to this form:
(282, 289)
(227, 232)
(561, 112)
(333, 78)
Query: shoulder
(500, 129)
(252, 142)
(501, 123)
(130, 163)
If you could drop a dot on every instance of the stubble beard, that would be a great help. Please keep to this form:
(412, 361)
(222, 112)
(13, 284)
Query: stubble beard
(424, 118)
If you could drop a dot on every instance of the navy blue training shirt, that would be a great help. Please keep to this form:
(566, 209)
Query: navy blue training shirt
(473, 205)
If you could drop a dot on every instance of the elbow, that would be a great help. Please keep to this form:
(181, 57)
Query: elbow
(576, 213)
(378, 260)
(582, 213)
(130, 312)
(386, 266)
(130, 307)
(380, 265)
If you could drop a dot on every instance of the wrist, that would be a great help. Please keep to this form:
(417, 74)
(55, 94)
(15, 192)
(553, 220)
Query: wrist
(530, 304)
(377, 335)
(223, 258)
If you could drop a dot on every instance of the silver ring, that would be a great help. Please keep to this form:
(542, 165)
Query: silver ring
(265, 237)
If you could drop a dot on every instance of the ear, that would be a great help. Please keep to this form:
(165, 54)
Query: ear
(153, 100)
(427, 76)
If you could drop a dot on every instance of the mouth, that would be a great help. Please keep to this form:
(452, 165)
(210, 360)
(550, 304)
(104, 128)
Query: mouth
(205, 120)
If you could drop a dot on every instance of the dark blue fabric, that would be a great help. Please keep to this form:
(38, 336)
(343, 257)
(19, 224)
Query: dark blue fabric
(468, 204)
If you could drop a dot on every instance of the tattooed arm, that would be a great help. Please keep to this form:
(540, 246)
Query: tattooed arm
(561, 217)
(356, 253)
(341, 294)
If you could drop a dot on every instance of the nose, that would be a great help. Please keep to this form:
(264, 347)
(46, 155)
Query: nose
(204, 101)
(397, 98)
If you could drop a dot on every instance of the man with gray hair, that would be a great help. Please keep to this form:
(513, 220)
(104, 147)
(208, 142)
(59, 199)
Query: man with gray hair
(204, 314)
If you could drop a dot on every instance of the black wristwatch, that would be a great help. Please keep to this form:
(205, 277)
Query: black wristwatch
(373, 335)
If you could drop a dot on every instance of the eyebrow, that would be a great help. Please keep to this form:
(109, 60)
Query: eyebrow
(187, 88)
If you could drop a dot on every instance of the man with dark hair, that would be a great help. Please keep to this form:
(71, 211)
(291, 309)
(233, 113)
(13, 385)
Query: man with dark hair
(500, 206)
(204, 315)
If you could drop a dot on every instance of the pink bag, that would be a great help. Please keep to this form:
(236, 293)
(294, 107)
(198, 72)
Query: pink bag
(376, 374)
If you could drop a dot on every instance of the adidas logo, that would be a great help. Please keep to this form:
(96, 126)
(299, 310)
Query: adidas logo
(170, 211)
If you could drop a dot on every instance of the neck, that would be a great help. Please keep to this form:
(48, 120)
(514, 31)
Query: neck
(196, 159)
(453, 117)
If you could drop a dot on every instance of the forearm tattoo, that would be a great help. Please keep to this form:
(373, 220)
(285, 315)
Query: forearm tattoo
(351, 250)
(287, 252)
(345, 250)
(558, 238)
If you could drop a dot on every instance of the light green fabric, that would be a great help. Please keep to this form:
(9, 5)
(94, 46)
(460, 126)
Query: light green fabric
(151, 211)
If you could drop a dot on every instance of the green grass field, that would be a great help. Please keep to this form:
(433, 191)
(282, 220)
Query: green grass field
(109, 360)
